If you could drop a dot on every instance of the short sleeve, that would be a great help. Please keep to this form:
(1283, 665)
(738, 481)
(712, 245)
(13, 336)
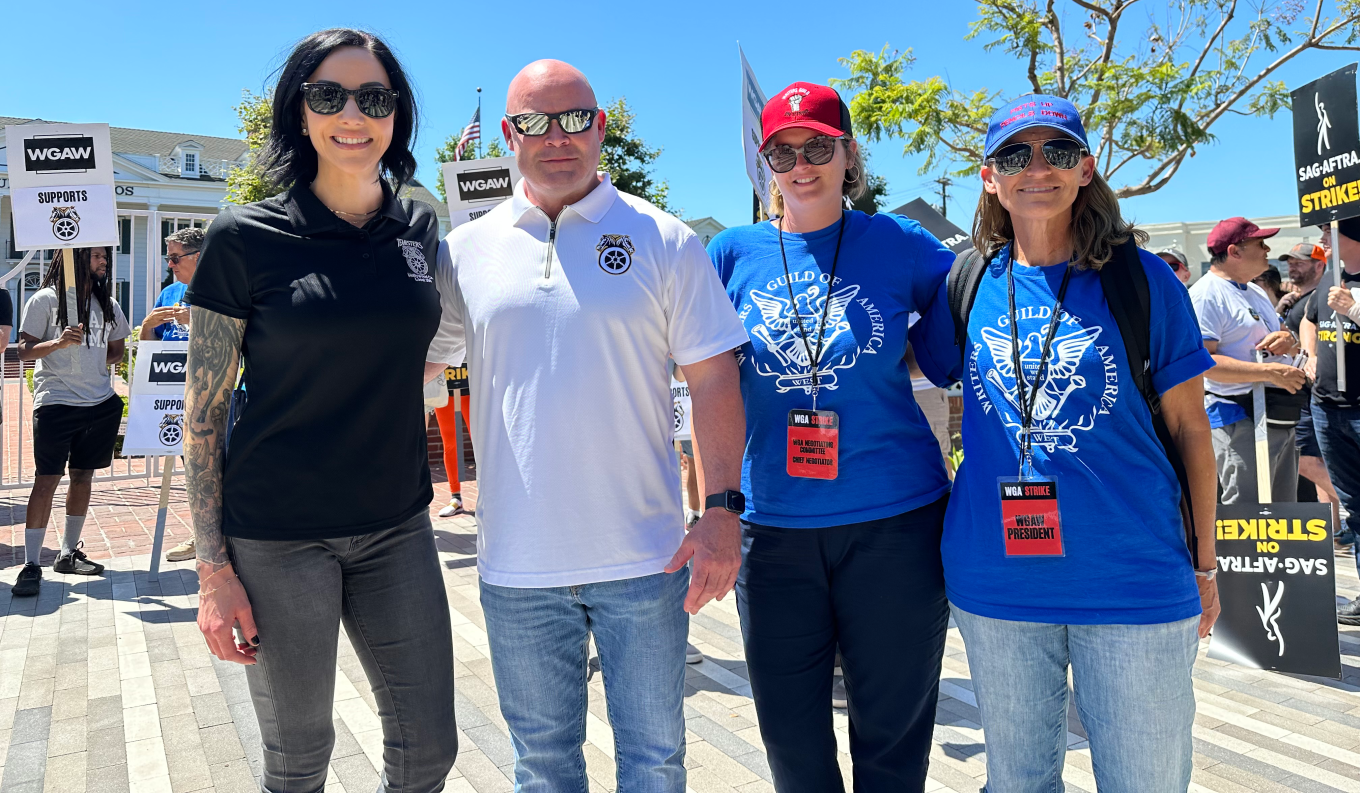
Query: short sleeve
(37, 318)
(1176, 338)
(1311, 312)
(701, 319)
(6, 308)
(221, 282)
(1207, 309)
(933, 341)
(121, 329)
(449, 345)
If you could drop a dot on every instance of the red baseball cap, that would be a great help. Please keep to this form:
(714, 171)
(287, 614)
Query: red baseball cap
(1235, 231)
(815, 107)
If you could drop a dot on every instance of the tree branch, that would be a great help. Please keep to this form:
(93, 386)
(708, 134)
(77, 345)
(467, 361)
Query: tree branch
(1317, 17)
(1112, 26)
(1060, 55)
(1208, 47)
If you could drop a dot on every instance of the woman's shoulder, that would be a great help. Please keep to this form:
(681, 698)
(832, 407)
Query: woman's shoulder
(894, 228)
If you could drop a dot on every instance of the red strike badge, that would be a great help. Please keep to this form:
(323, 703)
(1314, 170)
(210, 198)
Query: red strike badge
(1029, 517)
(814, 444)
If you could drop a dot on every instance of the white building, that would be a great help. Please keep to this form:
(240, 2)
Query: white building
(164, 181)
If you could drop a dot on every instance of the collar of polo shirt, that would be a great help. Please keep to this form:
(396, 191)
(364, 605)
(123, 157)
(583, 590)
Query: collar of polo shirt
(593, 207)
(309, 216)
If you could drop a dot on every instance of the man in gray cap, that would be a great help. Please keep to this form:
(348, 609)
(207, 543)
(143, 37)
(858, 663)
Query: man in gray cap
(1178, 262)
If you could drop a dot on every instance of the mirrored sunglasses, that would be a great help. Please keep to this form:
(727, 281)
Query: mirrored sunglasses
(1061, 153)
(536, 124)
(817, 151)
(327, 99)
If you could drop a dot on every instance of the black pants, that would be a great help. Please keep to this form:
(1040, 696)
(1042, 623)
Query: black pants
(877, 590)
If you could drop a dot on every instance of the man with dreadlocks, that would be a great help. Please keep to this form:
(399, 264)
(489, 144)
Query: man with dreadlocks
(75, 411)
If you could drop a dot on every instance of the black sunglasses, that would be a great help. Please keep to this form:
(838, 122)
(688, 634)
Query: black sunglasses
(174, 258)
(327, 99)
(536, 124)
(1061, 153)
(817, 151)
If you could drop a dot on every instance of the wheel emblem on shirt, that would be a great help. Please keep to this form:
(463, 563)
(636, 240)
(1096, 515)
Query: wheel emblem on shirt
(679, 418)
(616, 253)
(415, 260)
(172, 430)
(65, 223)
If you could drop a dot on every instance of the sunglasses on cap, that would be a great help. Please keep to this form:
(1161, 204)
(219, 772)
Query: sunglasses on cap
(536, 124)
(817, 151)
(1061, 153)
(327, 99)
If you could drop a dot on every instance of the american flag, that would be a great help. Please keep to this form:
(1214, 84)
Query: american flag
(471, 133)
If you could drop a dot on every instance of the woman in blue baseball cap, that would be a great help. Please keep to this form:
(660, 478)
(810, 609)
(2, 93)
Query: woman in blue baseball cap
(1065, 544)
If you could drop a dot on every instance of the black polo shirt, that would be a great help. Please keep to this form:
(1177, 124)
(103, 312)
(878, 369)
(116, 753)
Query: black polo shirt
(331, 442)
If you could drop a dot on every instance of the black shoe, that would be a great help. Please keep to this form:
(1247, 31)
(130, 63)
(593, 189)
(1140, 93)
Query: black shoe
(76, 563)
(1349, 614)
(26, 585)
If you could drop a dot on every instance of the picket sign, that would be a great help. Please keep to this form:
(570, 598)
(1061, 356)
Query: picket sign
(155, 426)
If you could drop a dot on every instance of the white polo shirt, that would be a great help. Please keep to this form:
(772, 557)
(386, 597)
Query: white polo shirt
(567, 327)
(1237, 316)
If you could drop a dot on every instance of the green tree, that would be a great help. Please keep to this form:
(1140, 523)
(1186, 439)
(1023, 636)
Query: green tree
(627, 158)
(444, 154)
(248, 184)
(1149, 85)
(872, 201)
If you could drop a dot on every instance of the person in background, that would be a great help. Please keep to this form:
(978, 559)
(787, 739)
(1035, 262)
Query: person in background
(1307, 262)
(76, 413)
(1237, 318)
(693, 511)
(1178, 262)
(847, 554)
(1336, 412)
(169, 319)
(1273, 284)
(447, 420)
(1036, 599)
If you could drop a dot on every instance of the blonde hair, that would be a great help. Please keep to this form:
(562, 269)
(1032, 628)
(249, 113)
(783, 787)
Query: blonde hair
(1097, 226)
(855, 190)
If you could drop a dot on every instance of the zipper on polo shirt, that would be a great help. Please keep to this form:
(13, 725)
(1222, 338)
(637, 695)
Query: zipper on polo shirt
(552, 241)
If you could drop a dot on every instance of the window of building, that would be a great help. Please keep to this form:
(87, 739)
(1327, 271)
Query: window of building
(190, 164)
(125, 235)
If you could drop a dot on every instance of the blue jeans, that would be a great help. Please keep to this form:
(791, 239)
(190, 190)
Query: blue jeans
(1133, 689)
(539, 644)
(1338, 433)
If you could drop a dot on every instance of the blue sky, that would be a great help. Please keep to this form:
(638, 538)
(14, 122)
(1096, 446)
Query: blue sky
(181, 66)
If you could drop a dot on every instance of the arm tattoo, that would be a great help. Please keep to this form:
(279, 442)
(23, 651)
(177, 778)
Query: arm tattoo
(214, 355)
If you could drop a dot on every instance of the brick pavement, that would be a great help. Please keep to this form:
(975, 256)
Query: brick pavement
(106, 687)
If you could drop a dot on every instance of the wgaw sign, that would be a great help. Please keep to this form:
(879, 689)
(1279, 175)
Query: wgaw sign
(61, 177)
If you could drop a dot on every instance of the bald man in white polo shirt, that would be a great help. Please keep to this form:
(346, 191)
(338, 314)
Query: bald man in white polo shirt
(568, 300)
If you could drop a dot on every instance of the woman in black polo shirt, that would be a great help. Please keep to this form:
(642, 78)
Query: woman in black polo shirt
(319, 514)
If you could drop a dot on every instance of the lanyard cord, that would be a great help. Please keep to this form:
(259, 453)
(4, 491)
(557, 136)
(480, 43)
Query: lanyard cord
(813, 360)
(1027, 402)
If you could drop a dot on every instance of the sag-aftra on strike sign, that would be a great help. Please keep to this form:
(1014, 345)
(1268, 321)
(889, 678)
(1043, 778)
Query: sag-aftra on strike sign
(1327, 148)
(61, 177)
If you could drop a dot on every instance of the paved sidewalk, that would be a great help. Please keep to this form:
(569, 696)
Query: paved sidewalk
(106, 686)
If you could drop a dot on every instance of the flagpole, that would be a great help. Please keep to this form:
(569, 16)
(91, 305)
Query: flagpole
(479, 122)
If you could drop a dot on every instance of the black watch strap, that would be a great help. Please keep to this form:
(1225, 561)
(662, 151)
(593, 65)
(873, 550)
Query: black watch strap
(731, 500)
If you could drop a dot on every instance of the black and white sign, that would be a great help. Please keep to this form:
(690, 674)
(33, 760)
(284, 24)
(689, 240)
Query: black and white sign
(155, 422)
(475, 187)
(168, 367)
(680, 409)
(1327, 148)
(61, 180)
(1277, 585)
(752, 103)
(953, 237)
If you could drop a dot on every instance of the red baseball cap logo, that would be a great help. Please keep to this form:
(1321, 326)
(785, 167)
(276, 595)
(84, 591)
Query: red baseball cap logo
(808, 105)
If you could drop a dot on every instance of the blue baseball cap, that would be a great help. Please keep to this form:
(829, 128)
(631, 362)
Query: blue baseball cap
(1033, 110)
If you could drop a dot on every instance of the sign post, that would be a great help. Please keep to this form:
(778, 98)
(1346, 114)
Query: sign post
(155, 424)
(475, 187)
(752, 103)
(1327, 156)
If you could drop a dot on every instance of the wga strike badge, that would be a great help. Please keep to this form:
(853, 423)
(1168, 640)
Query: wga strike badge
(616, 253)
(814, 444)
(415, 260)
(1029, 517)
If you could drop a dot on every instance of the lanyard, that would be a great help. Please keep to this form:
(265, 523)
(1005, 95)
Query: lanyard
(1027, 402)
(813, 360)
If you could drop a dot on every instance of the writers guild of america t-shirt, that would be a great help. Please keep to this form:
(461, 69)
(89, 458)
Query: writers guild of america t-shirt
(1324, 318)
(331, 442)
(1126, 559)
(889, 267)
(77, 375)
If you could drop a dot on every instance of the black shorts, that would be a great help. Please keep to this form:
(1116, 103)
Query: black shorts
(1305, 440)
(84, 434)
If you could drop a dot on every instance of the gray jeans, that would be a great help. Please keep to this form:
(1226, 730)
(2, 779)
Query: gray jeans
(1235, 453)
(387, 589)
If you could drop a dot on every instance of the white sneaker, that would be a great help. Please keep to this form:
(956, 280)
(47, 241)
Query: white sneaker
(454, 507)
(692, 654)
(182, 552)
(838, 698)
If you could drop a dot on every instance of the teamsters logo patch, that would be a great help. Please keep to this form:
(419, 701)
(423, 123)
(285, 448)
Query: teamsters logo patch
(65, 223)
(415, 259)
(616, 253)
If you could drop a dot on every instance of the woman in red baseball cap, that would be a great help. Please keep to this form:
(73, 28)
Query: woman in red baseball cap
(844, 481)
(1064, 548)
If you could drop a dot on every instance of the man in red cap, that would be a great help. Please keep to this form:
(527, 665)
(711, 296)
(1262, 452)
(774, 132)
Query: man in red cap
(1237, 319)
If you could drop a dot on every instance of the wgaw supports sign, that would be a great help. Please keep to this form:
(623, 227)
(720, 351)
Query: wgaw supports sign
(62, 185)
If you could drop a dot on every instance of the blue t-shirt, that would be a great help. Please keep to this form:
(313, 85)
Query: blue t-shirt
(170, 296)
(889, 460)
(1126, 560)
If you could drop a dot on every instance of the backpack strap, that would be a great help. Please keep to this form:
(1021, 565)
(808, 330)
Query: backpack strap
(961, 288)
(1125, 283)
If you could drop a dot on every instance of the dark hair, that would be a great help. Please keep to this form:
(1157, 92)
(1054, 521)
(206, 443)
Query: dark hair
(288, 157)
(85, 285)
